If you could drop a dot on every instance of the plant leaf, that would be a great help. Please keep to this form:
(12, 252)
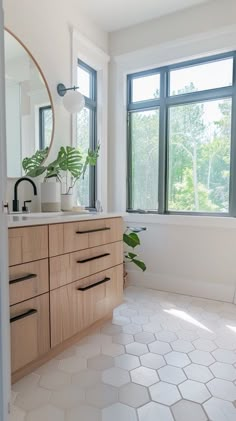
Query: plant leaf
(131, 242)
(32, 166)
(131, 255)
(140, 264)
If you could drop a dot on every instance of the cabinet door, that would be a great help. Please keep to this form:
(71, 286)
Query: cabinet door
(65, 313)
(27, 244)
(101, 293)
(29, 331)
(71, 267)
(28, 280)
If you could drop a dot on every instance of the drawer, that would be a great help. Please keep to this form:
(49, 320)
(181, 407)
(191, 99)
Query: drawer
(80, 304)
(28, 280)
(30, 336)
(69, 237)
(71, 267)
(27, 244)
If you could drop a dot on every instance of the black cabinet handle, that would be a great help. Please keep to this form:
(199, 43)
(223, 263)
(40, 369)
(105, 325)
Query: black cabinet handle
(94, 230)
(23, 278)
(94, 285)
(93, 258)
(23, 315)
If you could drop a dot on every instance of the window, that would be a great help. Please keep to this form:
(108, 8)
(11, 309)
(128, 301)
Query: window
(86, 136)
(181, 138)
(45, 126)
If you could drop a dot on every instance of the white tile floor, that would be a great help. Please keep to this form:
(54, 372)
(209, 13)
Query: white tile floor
(164, 357)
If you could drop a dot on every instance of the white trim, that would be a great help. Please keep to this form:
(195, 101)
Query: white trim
(4, 285)
(97, 59)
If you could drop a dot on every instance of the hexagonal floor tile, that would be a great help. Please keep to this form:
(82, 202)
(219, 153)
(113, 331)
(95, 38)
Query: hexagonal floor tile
(139, 320)
(118, 412)
(224, 356)
(115, 376)
(133, 395)
(144, 376)
(153, 412)
(47, 412)
(32, 399)
(102, 395)
(111, 329)
(55, 380)
(151, 360)
(113, 349)
(123, 338)
(194, 391)
(222, 389)
(187, 335)
(220, 410)
(166, 336)
(144, 337)
(223, 371)
(182, 346)
(68, 397)
(120, 320)
(137, 349)
(171, 374)
(97, 339)
(199, 373)
(73, 364)
(185, 410)
(178, 359)
(70, 352)
(204, 345)
(165, 393)
(85, 413)
(159, 347)
(132, 329)
(87, 378)
(101, 362)
(88, 350)
(152, 327)
(201, 357)
(17, 414)
(127, 362)
(27, 383)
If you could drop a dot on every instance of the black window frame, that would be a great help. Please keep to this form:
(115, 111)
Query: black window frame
(91, 104)
(42, 125)
(163, 103)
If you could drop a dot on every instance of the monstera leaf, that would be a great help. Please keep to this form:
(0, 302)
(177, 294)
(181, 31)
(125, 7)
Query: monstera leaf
(70, 159)
(32, 166)
(91, 158)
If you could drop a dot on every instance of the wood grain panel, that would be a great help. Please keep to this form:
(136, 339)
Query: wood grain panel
(27, 244)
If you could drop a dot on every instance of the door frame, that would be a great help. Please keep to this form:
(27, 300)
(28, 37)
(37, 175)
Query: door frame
(5, 384)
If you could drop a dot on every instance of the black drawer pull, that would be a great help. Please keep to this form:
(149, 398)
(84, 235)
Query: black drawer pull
(94, 230)
(23, 278)
(23, 315)
(94, 285)
(93, 258)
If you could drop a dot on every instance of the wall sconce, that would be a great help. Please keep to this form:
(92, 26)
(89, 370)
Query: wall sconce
(73, 100)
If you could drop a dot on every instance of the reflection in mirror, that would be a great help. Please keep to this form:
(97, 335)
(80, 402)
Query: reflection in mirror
(29, 111)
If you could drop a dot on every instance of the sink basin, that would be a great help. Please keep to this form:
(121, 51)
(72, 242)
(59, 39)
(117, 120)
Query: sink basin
(50, 214)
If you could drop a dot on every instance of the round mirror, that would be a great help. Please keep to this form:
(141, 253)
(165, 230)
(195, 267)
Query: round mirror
(29, 108)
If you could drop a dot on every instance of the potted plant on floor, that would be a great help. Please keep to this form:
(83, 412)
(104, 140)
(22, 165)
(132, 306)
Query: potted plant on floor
(132, 240)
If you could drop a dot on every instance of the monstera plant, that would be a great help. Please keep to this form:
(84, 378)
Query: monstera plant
(132, 240)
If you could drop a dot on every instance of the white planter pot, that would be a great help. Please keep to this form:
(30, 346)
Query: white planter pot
(51, 196)
(67, 202)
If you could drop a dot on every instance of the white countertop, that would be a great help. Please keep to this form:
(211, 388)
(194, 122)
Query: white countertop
(31, 219)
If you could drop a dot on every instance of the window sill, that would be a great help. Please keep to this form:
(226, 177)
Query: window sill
(181, 220)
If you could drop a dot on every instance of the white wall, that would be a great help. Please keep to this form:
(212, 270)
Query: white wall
(191, 255)
(45, 28)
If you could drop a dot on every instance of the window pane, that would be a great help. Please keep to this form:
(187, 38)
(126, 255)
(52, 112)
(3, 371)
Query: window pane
(84, 81)
(144, 155)
(144, 88)
(199, 156)
(201, 77)
(47, 126)
(83, 142)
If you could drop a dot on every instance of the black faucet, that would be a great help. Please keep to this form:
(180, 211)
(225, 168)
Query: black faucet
(15, 202)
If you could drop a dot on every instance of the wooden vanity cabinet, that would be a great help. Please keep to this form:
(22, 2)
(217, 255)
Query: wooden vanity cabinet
(63, 279)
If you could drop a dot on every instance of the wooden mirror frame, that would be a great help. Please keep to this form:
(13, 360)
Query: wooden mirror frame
(46, 85)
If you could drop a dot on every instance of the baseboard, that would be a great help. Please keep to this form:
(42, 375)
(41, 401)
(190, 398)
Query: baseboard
(196, 288)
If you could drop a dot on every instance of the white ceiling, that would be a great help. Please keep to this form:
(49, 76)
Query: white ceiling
(112, 15)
